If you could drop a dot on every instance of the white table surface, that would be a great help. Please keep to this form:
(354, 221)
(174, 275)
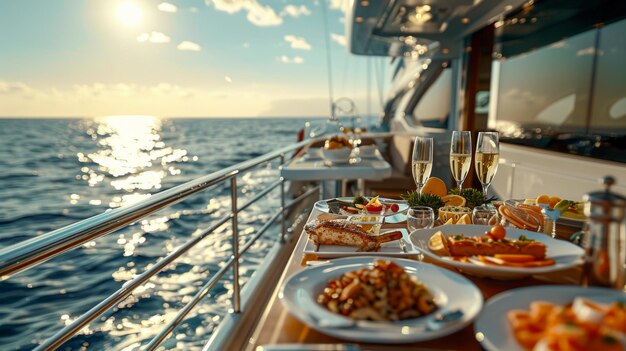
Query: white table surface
(308, 168)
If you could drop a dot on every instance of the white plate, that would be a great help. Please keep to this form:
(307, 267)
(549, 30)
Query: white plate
(391, 248)
(391, 218)
(566, 254)
(451, 291)
(493, 326)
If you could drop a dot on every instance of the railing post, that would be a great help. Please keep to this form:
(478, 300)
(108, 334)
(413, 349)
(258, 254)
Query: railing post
(282, 200)
(233, 198)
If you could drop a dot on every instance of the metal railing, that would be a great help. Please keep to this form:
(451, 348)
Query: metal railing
(32, 252)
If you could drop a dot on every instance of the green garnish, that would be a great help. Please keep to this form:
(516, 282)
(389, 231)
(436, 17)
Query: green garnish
(524, 238)
(413, 198)
(609, 340)
(458, 237)
(360, 200)
(473, 197)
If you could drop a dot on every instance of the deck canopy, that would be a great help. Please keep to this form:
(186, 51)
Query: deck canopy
(414, 27)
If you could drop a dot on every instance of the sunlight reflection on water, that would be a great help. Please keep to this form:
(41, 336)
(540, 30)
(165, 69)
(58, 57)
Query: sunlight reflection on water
(133, 159)
(112, 162)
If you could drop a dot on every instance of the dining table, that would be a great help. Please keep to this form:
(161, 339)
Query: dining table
(313, 167)
(277, 326)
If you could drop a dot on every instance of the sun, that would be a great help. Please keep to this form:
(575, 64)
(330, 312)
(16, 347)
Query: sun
(129, 14)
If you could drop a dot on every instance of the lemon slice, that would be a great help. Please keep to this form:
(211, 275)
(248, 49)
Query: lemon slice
(453, 200)
(449, 221)
(465, 219)
(438, 244)
(374, 201)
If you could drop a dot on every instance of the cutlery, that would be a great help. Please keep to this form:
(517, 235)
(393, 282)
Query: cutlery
(402, 245)
(439, 321)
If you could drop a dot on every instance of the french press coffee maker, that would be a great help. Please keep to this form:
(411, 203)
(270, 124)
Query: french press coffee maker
(605, 238)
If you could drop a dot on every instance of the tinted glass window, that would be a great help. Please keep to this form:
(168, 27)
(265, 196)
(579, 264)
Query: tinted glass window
(609, 98)
(561, 77)
(548, 87)
(433, 108)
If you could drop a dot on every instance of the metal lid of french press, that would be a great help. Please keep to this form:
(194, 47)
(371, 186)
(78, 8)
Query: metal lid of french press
(604, 199)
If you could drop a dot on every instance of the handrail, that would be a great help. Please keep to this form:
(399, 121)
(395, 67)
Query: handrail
(31, 252)
(34, 251)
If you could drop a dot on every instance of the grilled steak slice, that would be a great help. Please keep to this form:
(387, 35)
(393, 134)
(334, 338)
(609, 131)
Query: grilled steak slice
(338, 232)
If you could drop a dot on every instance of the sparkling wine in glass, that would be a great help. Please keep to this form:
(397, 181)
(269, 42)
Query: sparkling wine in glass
(422, 160)
(460, 156)
(486, 158)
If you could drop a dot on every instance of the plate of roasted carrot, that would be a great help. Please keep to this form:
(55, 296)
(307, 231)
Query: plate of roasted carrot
(497, 252)
(555, 317)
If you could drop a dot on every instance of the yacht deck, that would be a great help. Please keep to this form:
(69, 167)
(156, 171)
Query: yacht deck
(278, 326)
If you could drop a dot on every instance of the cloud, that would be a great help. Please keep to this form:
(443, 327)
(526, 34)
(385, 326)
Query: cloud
(188, 46)
(295, 11)
(153, 37)
(297, 42)
(559, 44)
(15, 88)
(167, 7)
(340, 5)
(246, 45)
(339, 39)
(128, 90)
(257, 14)
(286, 59)
(228, 79)
(193, 9)
(21, 90)
(165, 99)
(91, 91)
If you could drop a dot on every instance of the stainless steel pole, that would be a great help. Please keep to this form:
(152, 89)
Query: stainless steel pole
(282, 201)
(236, 294)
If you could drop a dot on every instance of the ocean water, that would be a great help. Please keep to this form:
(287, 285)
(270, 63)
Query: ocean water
(59, 171)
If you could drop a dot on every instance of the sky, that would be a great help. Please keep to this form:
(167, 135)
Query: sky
(185, 58)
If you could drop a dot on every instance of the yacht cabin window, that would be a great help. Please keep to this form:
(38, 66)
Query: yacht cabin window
(563, 87)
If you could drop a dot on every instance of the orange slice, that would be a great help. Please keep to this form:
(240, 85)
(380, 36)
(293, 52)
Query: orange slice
(454, 200)
(435, 186)
(515, 257)
(553, 201)
(438, 244)
(543, 199)
(465, 219)
(449, 221)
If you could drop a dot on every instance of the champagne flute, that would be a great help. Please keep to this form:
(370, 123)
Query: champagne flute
(486, 158)
(422, 160)
(460, 156)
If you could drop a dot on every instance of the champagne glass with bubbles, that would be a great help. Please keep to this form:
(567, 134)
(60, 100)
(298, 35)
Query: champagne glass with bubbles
(460, 156)
(422, 160)
(486, 158)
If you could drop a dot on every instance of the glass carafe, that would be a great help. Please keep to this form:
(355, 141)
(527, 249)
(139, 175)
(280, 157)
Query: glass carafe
(605, 238)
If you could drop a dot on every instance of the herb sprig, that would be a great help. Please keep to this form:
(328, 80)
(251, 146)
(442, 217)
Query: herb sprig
(413, 198)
